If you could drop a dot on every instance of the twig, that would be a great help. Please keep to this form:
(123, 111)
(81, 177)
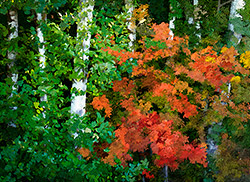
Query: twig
(223, 4)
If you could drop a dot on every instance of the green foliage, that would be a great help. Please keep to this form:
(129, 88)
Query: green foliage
(38, 137)
(241, 26)
(158, 10)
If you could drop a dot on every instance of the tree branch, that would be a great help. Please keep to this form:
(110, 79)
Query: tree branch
(223, 4)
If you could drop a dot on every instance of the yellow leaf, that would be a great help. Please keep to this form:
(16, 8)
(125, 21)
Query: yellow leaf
(235, 79)
(36, 104)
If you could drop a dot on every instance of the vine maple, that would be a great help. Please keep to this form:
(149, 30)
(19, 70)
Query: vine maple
(102, 102)
(166, 92)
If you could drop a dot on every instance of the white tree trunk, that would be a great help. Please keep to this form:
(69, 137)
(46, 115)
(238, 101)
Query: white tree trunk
(41, 47)
(172, 27)
(191, 20)
(197, 25)
(236, 5)
(13, 24)
(132, 35)
(78, 103)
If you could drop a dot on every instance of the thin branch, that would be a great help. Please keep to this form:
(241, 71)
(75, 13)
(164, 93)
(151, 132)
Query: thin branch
(223, 4)
(218, 7)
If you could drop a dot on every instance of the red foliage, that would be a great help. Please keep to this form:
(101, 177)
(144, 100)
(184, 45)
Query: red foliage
(143, 128)
(146, 173)
(140, 129)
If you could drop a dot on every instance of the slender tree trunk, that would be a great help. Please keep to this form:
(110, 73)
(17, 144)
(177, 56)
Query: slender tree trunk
(171, 24)
(132, 35)
(78, 103)
(13, 25)
(191, 20)
(41, 48)
(143, 179)
(165, 172)
(172, 27)
(222, 4)
(236, 5)
(197, 24)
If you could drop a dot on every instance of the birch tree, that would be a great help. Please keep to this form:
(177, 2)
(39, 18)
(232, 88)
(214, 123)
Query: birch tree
(78, 103)
(191, 19)
(235, 6)
(197, 24)
(172, 26)
(132, 35)
(13, 25)
(41, 48)
(176, 12)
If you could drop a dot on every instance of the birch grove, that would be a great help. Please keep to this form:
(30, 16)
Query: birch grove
(124, 90)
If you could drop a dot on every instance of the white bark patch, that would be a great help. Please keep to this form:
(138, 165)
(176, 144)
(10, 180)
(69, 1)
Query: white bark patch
(41, 49)
(195, 2)
(172, 27)
(78, 103)
(197, 25)
(132, 35)
(236, 5)
(191, 20)
(13, 24)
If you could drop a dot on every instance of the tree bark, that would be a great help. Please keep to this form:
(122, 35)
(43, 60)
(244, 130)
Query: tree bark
(172, 27)
(191, 20)
(132, 35)
(165, 172)
(197, 24)
(41, 47)
(13, 25)
(78, 102)
(236, 5)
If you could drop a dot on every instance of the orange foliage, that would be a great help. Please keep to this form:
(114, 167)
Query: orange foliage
(139, 14)
(100, 103)
(84, 152)
(143, 127)
(124, 86)
(207, 66)
(117, 149)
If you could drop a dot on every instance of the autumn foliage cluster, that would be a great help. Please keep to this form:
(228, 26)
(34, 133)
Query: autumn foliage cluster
(169, 91)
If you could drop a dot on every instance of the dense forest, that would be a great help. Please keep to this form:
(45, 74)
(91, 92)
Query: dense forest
(125, 90)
